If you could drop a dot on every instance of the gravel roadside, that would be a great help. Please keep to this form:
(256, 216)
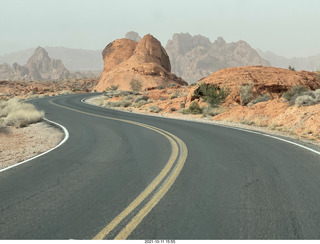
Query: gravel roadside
(197, 118)
(19, 144)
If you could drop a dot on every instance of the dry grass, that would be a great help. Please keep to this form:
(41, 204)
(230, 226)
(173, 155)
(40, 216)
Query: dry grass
(14, 113)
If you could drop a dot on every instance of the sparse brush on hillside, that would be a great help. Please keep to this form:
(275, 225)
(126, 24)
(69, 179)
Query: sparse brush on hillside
(154, 109)
(246, 94)
(135, 85)
(261, 98)
(14, 113)
(293, 93)
(211, 94)
(194, 108)
(308, 98)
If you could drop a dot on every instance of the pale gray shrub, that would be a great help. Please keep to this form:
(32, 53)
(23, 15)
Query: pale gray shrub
(305, 100)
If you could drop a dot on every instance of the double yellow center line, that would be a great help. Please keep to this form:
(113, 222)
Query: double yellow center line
(163, 181)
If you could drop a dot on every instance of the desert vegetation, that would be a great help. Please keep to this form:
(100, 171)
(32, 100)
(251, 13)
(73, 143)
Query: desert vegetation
(15, 113)
(211, 94)
(300, 96)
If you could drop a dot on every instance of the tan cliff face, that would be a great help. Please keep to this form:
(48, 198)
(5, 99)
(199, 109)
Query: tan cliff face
(145, 61)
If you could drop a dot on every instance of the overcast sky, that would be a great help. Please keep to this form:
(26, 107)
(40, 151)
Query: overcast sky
(285, 27)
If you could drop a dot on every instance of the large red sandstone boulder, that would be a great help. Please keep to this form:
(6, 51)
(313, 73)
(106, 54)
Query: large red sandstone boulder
(271, 80)
(145, 61)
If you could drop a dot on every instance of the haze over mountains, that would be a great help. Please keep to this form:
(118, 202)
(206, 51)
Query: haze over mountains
(73, 59)
(311, 63)
(191, 57)
(195, 57)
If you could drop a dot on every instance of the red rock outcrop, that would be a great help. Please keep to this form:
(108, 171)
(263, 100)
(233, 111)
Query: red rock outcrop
(145, 61)
(274, 81)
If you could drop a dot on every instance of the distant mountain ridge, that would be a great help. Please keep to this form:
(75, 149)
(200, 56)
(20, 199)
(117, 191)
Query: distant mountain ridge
(196, 57)
(38, 67)
(73, 59)
(311, 63)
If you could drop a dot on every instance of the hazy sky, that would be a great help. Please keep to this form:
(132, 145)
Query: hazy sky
(285, 27)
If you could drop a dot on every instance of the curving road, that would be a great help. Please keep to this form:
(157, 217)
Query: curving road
(123, 175)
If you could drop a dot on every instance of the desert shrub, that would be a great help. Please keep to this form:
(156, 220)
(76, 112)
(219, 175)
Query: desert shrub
(317, 94)
(261, 98)
(125, 103)
(211, 94)
(140, 103)
(112, 88)
(171, 85)
(193, 84)
(129, 98)
(293, 93)
(140, 98)
(12, 112)
(163, 98)
(209, 111)
(174, 95)
(173, 109)
(305, 100)
(246, 94)
(182, 105)
(154, 109)
(135, 85)
(194, 108)
(160, 87)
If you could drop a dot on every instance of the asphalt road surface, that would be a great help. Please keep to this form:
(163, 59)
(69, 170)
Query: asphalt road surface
(122, 175)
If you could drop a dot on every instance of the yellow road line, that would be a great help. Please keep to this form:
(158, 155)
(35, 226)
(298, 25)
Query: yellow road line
(164, 188)
(136, 220)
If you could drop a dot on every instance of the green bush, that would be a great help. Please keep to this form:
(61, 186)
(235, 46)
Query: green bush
(246, 95)
(194, 108)
(211, 94)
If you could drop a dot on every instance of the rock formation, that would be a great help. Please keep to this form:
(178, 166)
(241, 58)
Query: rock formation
(274, 81)
(195, 57)
(134, 36)
(39, 67)
(145, 62)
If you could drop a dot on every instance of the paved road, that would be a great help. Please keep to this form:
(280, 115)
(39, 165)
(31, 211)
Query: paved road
(162, 179)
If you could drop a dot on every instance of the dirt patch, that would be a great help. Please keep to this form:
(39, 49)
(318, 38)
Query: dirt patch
(19, 144)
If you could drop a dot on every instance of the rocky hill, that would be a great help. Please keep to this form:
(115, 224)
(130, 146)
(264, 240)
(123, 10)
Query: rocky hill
(264, 80)
(195, 57)
(145, 62)
(39, 67)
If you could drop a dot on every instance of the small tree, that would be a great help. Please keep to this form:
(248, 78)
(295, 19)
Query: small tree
(135, 85)
(291, 68)
(211, 94)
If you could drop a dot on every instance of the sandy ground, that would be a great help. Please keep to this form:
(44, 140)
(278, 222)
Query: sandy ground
(19, 144)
